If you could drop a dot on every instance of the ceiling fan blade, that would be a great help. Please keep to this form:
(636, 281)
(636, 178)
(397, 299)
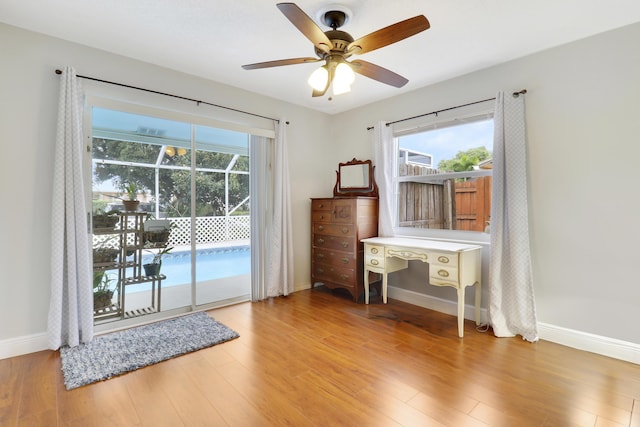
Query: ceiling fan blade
(388, 35)
(279, 63)
(306, 26)
(378, 73)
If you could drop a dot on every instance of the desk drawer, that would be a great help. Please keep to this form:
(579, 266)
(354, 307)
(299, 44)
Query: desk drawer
(445, 259)
(374, 256)
(443, 273)
(374, 250)
(374, 261)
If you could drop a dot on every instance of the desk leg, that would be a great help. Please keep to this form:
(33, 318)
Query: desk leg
(366, 286)
(478, 297)
(384, 287)
(461, 311)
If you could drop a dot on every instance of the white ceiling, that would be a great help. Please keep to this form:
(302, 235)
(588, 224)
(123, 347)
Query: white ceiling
(213, 38)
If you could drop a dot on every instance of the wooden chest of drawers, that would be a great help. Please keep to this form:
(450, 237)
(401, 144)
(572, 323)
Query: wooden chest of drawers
(337, 255)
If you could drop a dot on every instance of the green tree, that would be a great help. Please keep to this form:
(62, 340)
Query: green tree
(465, 160)
(175, 184)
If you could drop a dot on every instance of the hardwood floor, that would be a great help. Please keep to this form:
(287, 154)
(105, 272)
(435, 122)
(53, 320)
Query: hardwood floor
(317, 359)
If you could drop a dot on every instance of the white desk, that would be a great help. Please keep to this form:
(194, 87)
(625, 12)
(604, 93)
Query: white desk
(450, 264)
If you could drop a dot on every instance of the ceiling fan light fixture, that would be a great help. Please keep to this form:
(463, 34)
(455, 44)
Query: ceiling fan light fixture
(343, 79)
(344, 75)
(318, 79)
(339, 89)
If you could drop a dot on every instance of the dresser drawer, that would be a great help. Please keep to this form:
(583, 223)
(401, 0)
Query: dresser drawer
(335, 242)
(321, 205)
(321, 216)
(332, 274)
(335, 229)
(335, 258)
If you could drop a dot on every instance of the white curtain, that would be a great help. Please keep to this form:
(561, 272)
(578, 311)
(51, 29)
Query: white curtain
(511, 300)
(280, 270)
(383, 157)
(71, 306)
(272, 236)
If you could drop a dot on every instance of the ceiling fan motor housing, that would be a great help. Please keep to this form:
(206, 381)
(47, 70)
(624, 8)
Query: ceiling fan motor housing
(340, 40)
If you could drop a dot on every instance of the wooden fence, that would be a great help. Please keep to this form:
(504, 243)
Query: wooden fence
(449, 205)
(473, 204)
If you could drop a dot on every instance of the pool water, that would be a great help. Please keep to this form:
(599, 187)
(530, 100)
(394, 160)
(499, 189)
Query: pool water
(210, 264)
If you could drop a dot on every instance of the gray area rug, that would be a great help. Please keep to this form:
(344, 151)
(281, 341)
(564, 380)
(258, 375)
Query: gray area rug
(114, 354)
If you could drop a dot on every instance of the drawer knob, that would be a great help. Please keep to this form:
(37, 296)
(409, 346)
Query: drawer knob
(321, 205)
(321, 241)
(443, 273)
(374, 262)
(345, 230)
(443, 259)
(374, 250)
(345, 244)
(321, 256)
(345, 260)
(321, 228)
(344, 276)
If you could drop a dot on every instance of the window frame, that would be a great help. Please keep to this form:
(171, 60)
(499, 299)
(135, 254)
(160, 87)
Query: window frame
(433, 123)
(159, 106)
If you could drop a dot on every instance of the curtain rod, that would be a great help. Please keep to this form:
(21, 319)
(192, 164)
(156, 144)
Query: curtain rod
(515, 95)
(174, 96)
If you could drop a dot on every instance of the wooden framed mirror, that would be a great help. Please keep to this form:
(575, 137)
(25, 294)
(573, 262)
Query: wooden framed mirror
(355, 178)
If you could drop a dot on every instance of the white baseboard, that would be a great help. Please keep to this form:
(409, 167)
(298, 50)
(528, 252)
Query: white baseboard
(23, 345)
(434, 303)
(598, 344)
(610, 347)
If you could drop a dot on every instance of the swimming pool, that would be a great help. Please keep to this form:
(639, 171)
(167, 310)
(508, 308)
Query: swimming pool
(214, 263)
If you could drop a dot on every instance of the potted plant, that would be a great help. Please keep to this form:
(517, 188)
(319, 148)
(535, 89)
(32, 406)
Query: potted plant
(153, 268)
(156, 232)
(104, 252)
(131, 204)
(105, 220)
(102, 292)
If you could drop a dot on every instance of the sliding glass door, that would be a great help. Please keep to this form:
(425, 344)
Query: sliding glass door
(196, 179)
(222, 263)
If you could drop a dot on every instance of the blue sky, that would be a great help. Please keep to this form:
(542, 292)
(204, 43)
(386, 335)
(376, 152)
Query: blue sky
(445, 143)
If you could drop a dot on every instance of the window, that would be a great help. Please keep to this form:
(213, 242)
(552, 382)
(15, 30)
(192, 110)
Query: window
(443, 177)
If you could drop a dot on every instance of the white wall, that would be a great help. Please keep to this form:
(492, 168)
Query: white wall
(29, 89)
(583, 129)
(583, 110)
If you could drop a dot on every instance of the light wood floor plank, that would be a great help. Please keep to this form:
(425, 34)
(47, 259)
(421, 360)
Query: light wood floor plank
(317, 358)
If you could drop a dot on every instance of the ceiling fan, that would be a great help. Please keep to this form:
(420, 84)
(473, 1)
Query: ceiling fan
(335, 47)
